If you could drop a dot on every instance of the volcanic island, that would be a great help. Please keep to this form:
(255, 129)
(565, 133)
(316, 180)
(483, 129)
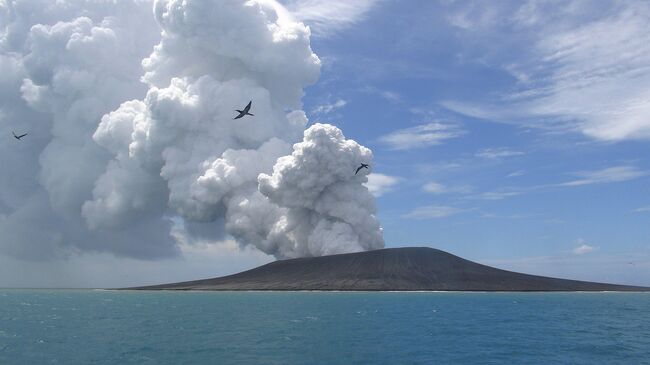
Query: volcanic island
(391, 269)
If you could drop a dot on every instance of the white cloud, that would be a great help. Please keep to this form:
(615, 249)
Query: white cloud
(498, 152)
(380, 184)
(326, 17)
(391, 96)
(437, 188)
(497, 195)
(328, 108)
(388, 95)
(433, 211)
(516, 173)
(475, 110)
(642, 209)
(434, 187)
(469, 15)
(509, 216)
(583, 248)
(599, 75)
(587, 71)
(424, 135)
(603, 176)
(606, 175)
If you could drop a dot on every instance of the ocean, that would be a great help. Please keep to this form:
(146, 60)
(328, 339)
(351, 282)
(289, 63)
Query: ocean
(131, 327)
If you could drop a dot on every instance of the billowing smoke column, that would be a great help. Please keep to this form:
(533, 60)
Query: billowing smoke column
(64, 65)
(178, 152)
(312, 204)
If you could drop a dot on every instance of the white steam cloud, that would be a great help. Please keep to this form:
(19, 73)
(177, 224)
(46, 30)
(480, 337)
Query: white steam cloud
(124, 141)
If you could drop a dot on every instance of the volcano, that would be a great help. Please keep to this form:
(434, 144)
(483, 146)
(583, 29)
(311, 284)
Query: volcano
(393, 269)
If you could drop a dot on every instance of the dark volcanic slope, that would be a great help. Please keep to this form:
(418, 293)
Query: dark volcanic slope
(410, 268)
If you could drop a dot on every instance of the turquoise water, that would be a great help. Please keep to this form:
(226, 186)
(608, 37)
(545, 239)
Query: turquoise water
(107, 327)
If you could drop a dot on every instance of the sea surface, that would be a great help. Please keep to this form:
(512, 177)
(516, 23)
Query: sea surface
(130, 327)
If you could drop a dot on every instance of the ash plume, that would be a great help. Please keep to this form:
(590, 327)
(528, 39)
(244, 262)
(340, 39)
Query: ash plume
(136, 131)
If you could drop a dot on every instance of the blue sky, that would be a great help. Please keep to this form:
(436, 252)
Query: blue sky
(509, 133)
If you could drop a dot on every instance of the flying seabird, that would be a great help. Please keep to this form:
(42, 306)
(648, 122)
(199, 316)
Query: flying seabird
(360, 167)
(18, 137)
(245, 111)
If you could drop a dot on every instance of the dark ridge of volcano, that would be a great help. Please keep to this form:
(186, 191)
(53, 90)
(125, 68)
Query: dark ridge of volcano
(398, 269)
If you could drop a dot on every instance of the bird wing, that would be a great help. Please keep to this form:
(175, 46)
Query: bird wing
(359, 168)
(22, 135)
(248, 107)
(239, 116)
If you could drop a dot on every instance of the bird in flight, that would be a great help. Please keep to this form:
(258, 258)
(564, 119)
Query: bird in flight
(18, 137)
(363, 165)
(245, 111)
